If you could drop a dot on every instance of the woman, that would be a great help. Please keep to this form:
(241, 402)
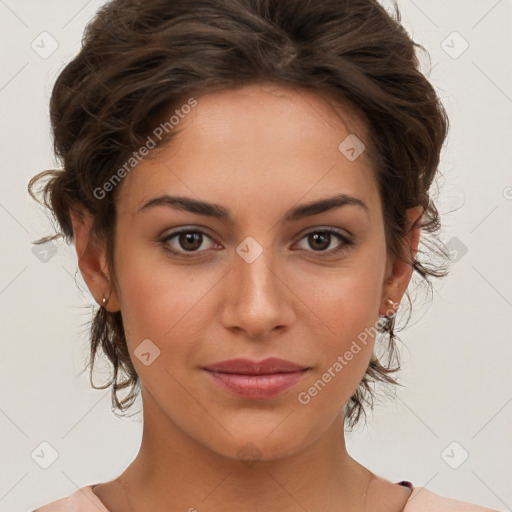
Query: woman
(246, 183)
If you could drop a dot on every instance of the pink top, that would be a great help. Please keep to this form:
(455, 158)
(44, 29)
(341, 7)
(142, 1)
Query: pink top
(421, 500)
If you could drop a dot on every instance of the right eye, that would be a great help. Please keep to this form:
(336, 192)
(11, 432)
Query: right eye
(188, 240)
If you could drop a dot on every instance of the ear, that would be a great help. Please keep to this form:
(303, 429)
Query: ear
(92, 260)
(399, 273)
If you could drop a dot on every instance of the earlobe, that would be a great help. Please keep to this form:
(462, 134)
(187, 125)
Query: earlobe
(92, 260)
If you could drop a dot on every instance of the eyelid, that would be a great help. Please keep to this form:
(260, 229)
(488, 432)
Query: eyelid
(339, 231)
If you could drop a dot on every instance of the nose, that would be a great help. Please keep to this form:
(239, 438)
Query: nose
(257, 299)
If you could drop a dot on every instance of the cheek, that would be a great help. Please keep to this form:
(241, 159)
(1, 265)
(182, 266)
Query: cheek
(346, 306)
(345, 348)
(163, 304)
(345, 300)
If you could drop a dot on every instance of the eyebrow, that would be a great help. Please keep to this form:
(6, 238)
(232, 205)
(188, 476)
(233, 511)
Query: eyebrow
(219, 212)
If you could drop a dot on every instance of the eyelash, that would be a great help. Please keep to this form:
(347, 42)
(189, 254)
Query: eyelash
(345, 246)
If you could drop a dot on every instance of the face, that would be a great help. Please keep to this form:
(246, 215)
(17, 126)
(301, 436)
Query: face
(255, 282)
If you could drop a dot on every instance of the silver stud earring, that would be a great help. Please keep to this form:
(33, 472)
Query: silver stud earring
(384, 321)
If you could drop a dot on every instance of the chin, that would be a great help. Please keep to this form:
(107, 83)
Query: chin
(263, 444)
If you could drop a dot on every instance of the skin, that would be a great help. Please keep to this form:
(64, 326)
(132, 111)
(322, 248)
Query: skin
(258, 151)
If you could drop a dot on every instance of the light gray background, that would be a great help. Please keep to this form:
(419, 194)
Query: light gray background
(458, 350)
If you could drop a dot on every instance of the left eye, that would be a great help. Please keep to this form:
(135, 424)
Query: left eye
(321, 236)
(190, 240)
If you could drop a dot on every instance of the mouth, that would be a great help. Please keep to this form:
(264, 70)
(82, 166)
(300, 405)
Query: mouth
(268, 366)
(256, 380)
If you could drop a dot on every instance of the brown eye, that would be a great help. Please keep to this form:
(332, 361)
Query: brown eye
(190, 241)
(322, 239)
(187, 241)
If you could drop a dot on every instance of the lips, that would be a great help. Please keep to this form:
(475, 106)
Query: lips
(256, 380)
(268, 366)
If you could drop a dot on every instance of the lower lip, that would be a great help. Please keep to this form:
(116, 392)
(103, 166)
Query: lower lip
(257, 387)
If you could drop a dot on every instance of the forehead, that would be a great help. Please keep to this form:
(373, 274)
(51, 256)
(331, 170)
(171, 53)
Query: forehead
(261, 143)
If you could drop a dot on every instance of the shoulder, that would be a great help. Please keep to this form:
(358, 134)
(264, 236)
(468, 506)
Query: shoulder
(423, 500)
(82, 500)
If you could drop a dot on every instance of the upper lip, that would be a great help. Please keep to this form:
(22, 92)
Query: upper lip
(249, 367)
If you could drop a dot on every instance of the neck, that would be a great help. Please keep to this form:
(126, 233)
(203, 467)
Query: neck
(172, 471)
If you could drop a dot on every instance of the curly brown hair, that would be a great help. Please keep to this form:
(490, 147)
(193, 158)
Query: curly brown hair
(140, 59)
